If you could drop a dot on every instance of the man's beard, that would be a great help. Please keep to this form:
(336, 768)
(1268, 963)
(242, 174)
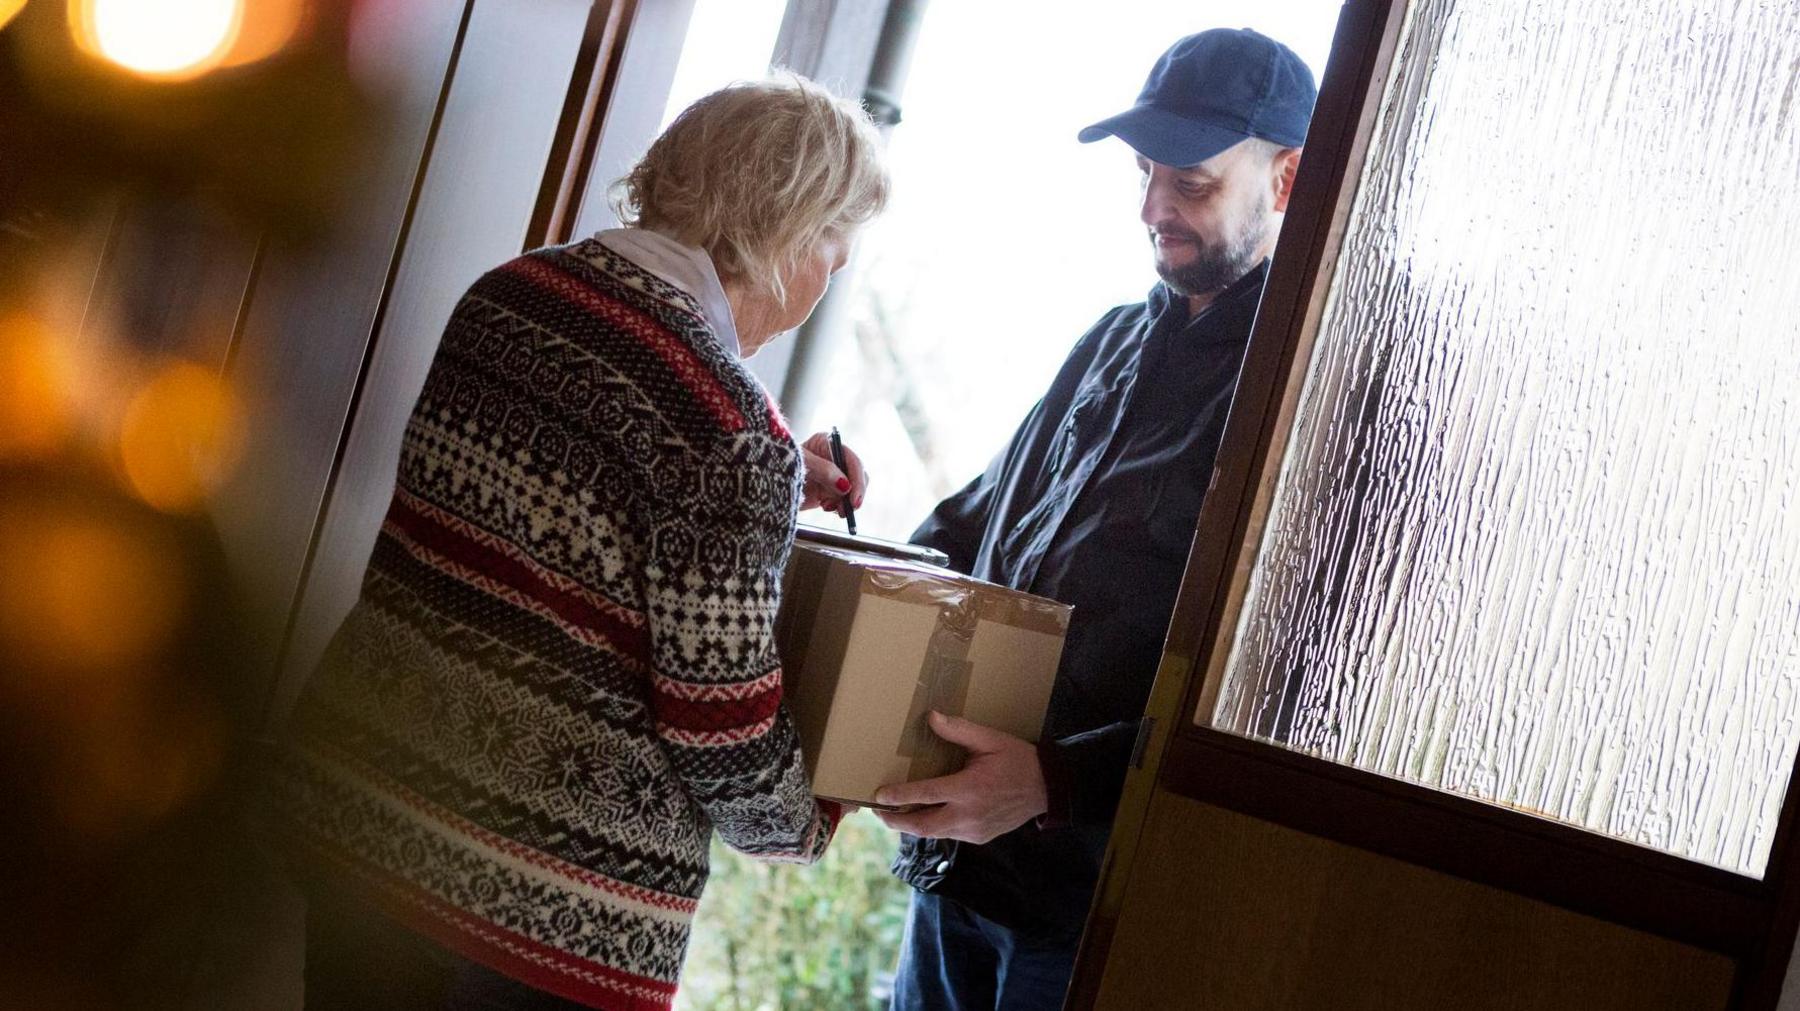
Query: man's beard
(1215, 266)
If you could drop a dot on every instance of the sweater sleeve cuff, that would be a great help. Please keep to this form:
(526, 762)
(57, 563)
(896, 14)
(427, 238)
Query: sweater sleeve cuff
(1057, 786)
(831, 815)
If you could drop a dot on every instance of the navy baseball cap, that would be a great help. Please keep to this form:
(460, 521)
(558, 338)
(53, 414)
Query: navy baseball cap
(1212, 90)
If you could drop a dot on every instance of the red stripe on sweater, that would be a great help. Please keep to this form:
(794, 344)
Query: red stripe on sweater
(707, 715)
(713, 738)
(555, 971)
(778, 423)
(675, 353)
(452, 542)
(533, 963)
(517, 850)
(555, 579)
(702, 691)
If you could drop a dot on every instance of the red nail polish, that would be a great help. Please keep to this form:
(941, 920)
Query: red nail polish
(843, 484)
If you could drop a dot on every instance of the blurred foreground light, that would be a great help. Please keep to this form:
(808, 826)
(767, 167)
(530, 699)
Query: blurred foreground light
(135, 756)
(36, 415)
(8, 8)
(164, 39)
(180, 437)
(84, 592)
(267, 26)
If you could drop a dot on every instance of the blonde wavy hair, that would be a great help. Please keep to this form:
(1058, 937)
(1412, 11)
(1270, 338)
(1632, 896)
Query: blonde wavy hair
(758, 174)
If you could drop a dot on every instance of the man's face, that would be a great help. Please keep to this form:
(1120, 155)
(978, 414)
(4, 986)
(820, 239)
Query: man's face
(1210, 223)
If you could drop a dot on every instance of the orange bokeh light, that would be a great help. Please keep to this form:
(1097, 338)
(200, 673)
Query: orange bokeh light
(167, 40)
(135, 756)
(36, 413)
(180, 437)
(177, 40)
(83, 592)
(268, 25)
(8, 8)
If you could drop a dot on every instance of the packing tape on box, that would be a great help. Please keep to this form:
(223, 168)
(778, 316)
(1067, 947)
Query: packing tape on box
(918, 583)
(943, 685)
(944, 675)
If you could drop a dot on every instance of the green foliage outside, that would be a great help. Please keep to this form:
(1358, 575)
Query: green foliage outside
(776, 937)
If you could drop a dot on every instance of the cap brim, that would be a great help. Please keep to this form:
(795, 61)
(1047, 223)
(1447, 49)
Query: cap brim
(1162, 136)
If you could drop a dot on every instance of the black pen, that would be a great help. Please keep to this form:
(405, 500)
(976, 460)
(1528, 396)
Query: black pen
(837, 457)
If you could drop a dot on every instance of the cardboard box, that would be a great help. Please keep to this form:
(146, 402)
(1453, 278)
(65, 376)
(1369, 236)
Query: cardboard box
(871, 644)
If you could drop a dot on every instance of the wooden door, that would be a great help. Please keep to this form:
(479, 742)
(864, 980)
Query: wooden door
(1389, 764)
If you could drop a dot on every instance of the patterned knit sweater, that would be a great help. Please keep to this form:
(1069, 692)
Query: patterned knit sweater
(560, 676)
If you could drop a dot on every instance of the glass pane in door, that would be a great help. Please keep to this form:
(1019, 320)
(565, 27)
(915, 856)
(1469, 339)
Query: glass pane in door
(1536, 534)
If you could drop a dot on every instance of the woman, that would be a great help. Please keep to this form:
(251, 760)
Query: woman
(560, 676)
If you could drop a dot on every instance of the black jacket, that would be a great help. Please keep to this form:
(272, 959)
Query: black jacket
(1092, 503)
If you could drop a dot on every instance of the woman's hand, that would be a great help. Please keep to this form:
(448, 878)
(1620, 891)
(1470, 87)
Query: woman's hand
(826, 486)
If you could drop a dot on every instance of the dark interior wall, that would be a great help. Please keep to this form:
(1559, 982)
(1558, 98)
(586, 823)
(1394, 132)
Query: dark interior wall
(475, 200)
(308, 323)
(174, 278)
(1228, 911)
(328, 341)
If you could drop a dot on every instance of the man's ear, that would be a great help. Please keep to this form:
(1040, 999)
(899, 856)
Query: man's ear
(1285, 164)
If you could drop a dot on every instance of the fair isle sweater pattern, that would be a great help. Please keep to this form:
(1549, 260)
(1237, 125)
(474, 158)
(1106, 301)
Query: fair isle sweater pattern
(560, 676)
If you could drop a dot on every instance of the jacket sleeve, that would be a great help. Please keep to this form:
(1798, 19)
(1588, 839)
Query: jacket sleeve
(959, 524)
(955, 526)
(718, 543)
(1084, 774)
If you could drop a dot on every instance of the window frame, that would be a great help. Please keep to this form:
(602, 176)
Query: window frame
(1751, 920)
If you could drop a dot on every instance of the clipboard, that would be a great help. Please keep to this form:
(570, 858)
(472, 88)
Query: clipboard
(872, 545)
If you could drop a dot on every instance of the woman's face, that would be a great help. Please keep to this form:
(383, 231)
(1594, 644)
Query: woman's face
(805, 286)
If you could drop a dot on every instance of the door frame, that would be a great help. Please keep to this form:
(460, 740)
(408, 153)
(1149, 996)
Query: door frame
(1750, 920)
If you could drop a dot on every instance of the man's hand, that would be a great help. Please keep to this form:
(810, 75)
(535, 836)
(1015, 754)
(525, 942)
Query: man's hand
(826, 485)
(1000, 789)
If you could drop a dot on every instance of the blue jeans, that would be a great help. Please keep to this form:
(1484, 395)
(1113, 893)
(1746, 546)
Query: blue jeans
(955, 960)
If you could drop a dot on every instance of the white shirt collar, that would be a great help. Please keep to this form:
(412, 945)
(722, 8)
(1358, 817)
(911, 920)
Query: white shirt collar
(685, 267)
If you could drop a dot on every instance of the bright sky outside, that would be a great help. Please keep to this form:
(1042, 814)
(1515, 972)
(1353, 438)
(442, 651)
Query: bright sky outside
(1005, 238)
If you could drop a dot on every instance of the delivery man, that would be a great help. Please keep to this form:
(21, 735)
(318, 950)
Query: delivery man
(1094, 503)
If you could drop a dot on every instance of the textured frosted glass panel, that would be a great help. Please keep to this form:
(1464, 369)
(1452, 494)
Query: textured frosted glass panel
(1536, 538)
